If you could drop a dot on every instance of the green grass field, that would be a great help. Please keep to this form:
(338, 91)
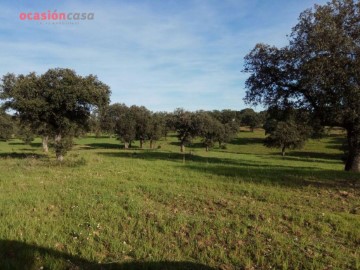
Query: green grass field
(244, 207)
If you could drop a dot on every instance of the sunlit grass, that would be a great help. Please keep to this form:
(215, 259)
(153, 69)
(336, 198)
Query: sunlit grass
(240, 207)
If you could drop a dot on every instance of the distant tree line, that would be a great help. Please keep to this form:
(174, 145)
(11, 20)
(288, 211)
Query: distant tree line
(285, 129)
(138, 123)
(60, 105)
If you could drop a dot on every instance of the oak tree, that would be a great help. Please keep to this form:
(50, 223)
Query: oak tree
(57, 103)
(319, 70)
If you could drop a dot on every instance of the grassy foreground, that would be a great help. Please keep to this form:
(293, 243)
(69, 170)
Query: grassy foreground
(244, 207)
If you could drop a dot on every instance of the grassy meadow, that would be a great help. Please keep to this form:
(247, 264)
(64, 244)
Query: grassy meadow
(243, 207)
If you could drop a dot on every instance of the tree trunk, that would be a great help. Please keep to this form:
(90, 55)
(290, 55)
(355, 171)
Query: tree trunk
(59, 155)
(353, 159)
(126, 145)
(151, 144)
(283, 151)
(182, 148)
(45, 142)
(141, 143)
(207, 148)
(353, 162)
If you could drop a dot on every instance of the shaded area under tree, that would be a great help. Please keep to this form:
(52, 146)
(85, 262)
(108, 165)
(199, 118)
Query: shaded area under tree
(18, 255)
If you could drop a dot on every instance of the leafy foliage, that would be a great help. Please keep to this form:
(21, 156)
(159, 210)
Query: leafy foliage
(57, 103)
(286, 135)
(318, 71)
(141, 117)
(156, 127)
(6, 126)
(185, 126)
(250, 118)
(124, 123)
(25, 133)
(209, 129)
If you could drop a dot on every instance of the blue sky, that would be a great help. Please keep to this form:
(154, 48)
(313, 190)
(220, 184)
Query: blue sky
(162, 54)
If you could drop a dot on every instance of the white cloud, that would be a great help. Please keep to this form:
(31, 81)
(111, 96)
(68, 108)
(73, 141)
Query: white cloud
(189, 58)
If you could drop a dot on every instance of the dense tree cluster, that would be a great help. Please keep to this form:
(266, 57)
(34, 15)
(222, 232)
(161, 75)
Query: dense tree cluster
(138, 123)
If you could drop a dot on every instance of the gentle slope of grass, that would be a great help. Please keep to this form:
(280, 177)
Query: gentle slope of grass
(244, 207)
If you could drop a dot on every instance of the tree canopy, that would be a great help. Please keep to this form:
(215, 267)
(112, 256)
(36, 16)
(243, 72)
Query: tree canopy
(6, 126)
(57, 103)
(285, 135)
(248, 117)
(319, 70)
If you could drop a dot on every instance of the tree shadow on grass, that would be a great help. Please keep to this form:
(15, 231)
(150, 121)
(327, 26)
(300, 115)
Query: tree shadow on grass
(107, 146)
(16, 143)
(247, 141)
(317, 155)
(98, 136)
(178, 157)
(104, 145)
(336, 142)
(32, 144)
(309, 159)
(197, 145)
(289, 177)
(19, 255)
(20, 155)
(253, 171)
(37, 145)
(190, 145)
(175, 143)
